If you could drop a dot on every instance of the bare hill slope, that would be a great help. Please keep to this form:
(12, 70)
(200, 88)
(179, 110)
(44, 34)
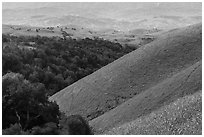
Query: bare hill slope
(181, 84)
(181, 117)
(132, 74)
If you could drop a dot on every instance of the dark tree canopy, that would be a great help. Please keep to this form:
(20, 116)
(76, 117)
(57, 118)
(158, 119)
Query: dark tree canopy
(35, 68)
(25, 103)
(55, 62)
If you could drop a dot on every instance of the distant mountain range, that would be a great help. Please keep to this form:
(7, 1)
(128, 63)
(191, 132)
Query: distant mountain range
(99, 16)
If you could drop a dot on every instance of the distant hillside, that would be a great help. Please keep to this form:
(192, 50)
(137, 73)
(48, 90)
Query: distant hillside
(160, 22)
(133, 38)
(94, 15)
(181, 117)
(132, 74)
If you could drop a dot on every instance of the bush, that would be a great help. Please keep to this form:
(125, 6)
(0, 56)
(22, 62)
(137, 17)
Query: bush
(14, 130)
(48, 129)
(75, 125)
(26, 103)
(72, 125)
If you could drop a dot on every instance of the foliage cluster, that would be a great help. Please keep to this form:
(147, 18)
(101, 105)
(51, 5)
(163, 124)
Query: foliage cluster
(35, 68)
(56, 62)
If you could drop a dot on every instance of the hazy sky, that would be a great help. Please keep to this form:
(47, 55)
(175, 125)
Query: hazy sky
(14, 5)
(110, 9)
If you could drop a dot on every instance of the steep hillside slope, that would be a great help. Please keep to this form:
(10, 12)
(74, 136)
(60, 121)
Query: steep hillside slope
(181, 117)
(132, 74)
(183, 83)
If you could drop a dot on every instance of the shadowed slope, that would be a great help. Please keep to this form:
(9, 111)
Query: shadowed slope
(185, 82)
(132, 74)
(181, 117)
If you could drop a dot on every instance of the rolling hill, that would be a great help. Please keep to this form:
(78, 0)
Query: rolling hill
(94, 15)
(167, 59)
(155, 89)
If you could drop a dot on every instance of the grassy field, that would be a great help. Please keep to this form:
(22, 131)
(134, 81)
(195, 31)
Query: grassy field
(124, 38)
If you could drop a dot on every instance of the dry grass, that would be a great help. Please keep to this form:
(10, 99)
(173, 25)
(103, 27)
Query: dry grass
(184, 116)
(184, 83)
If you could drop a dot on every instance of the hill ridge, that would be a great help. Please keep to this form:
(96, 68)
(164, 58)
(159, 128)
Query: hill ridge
(133, 73)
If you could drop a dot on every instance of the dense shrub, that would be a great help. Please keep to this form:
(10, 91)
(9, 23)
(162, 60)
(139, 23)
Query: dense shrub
(75, 125)
(32, 73)
(71, 125)
(25, 103)
(55, 62)
(14, 130)
(48, 129)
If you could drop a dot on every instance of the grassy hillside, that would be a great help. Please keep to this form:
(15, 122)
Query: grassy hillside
(184, 83)
(132, 74)
(181, 117)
